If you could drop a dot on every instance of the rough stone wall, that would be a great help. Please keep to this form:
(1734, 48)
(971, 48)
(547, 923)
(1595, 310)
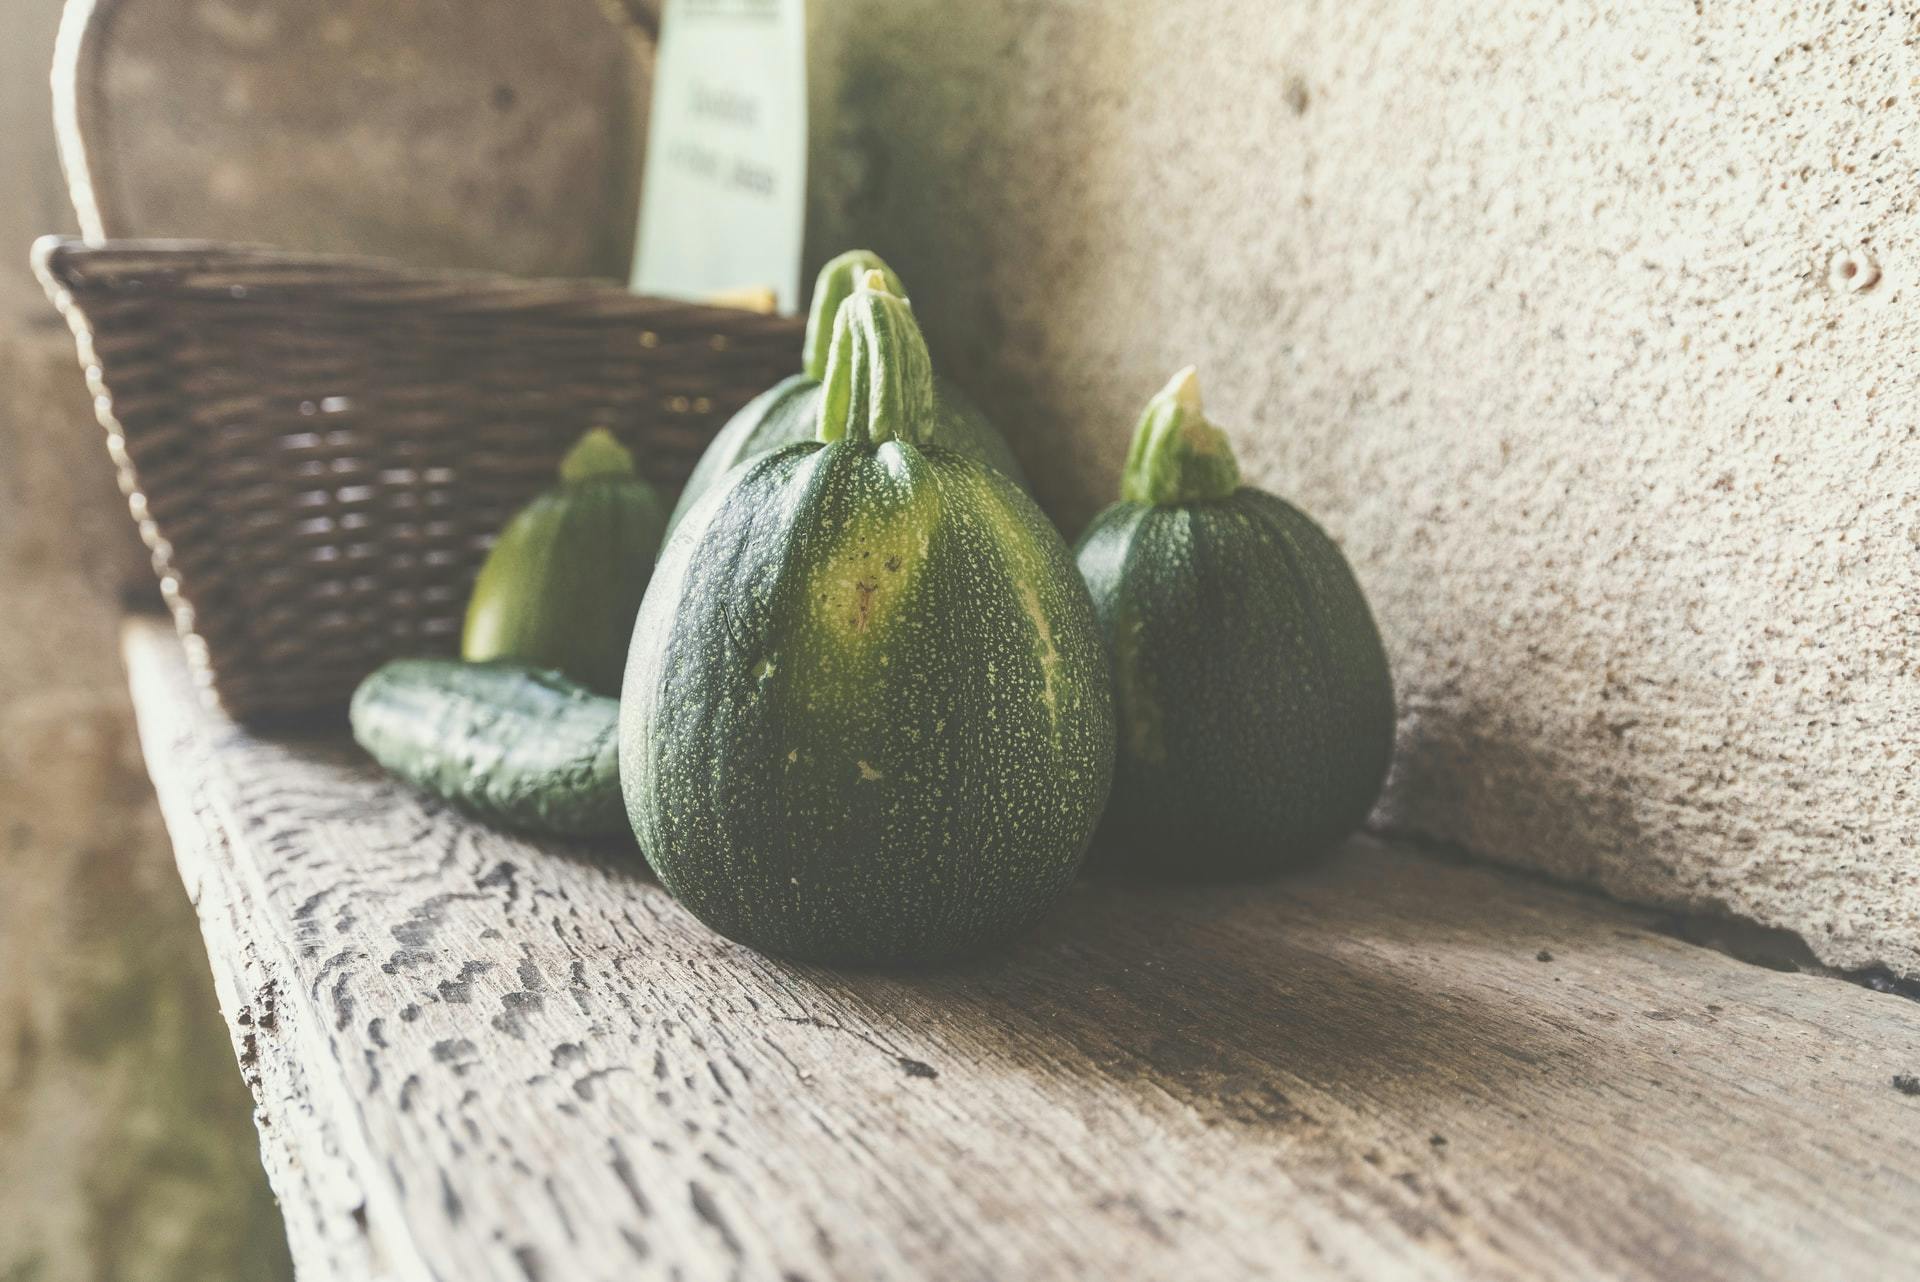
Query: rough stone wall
(1592, 333)
(127, 1149)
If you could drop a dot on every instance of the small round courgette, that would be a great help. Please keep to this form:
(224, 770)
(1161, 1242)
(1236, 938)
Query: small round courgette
(563, 581)
(1255, 705)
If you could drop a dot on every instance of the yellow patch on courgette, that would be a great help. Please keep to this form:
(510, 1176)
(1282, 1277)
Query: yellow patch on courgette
(875, 559)
(1049, 652)
(1026, 560)
(857, 589)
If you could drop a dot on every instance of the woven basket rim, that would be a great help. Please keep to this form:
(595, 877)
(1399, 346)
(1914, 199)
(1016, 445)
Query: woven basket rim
(71, 268)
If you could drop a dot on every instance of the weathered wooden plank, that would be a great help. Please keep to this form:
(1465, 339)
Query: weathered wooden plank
(535, 1065)
(316, 1164)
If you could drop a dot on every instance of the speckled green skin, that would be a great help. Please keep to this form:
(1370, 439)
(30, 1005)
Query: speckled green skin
(518, 747)
(562, 583)
(1254, 702)
(867, 718)
(789, 412)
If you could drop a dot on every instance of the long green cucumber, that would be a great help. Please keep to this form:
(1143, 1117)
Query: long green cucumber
(517, 746)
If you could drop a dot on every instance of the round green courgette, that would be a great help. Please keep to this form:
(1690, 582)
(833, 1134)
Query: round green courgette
(562, 583)
(867, 718)
(1255, 705)
(517, 746)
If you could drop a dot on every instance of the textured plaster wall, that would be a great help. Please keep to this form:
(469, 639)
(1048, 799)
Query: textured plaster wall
(1592, 332)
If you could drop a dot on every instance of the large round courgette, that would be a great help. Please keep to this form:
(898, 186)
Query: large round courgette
(867, 718)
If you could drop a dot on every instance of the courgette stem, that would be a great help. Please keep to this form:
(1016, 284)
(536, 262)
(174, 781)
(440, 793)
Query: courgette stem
(596, 453)
(836, 281)
(1178, 456)
(879, 384)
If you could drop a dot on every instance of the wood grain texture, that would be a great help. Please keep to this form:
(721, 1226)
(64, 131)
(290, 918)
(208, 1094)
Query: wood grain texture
(530, 1063)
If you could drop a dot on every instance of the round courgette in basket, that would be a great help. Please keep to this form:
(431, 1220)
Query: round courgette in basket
(789, 411)
(514, 745)
(561, 585)
(1255, 706)
(867, 717)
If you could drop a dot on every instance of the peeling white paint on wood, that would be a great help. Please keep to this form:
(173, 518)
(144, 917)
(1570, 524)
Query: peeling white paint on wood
(524, 1061)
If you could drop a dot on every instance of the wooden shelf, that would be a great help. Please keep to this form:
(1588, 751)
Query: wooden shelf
(478, 1057)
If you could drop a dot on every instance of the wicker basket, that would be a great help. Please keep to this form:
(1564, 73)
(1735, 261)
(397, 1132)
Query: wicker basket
(318, 450)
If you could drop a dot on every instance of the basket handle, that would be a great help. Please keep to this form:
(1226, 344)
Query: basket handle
(76, 85)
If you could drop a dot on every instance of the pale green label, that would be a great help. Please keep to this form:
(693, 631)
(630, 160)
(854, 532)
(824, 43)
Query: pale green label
(724, 202)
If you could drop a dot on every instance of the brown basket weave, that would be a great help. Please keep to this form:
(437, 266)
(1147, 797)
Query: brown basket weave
(319, 449)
